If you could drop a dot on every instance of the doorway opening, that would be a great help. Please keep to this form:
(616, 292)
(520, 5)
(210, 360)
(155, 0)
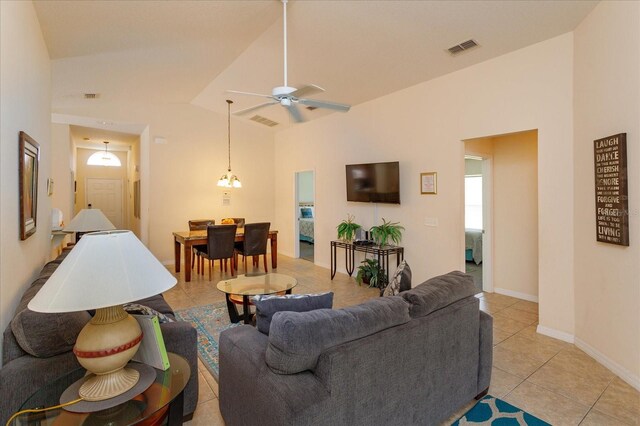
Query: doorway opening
(474, 227)
(110, 189)
(305, 214)
(501, 213)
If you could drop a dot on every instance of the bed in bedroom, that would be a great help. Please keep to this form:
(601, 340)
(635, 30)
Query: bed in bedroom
(306, 223)
(473, 245)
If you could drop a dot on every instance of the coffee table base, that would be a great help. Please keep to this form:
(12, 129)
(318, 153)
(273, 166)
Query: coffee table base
(234, 315)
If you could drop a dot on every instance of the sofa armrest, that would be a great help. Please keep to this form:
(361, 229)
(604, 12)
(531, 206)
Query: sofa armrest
(22, 377)
(276, 399)
(486, 351)
(182, 339)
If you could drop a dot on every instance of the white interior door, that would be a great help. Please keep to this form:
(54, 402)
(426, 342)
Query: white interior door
(106, 195)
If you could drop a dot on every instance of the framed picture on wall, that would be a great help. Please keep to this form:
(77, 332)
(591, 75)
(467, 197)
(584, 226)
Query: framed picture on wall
(28, 159)
(429, 183)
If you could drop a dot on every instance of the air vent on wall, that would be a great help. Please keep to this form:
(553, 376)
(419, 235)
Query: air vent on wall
(465, 45)
(91, 95)
(263, 120)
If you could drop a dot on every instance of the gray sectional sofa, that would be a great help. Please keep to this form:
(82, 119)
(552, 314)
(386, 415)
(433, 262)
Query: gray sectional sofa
(49, 338)
(410, 359)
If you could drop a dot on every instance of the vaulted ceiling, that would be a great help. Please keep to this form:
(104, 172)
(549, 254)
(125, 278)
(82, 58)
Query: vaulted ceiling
(192, 51)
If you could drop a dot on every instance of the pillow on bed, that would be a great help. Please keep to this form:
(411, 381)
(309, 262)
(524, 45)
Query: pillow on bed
(306, 213)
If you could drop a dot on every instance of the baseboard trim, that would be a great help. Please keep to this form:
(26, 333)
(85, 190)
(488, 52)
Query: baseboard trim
(516, 294)
(556, 334)
(619, 370)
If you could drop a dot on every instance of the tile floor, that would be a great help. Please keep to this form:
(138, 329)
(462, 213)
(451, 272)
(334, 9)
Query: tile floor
(548, 378)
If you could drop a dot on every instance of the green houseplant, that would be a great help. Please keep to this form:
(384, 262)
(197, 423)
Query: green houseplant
(381, 234)
(371, 273)
(347, 228)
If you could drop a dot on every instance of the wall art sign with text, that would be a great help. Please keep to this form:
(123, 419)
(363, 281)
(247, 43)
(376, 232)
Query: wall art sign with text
(612, 204)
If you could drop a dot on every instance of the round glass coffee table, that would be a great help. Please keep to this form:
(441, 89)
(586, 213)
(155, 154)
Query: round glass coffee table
(246, 286)
(161, 403)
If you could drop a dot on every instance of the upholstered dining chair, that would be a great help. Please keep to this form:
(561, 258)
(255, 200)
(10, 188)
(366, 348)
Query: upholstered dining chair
(254, 244)
(199, 225)
(220, 246)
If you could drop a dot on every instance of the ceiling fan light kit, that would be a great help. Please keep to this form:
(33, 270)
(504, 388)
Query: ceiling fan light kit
(288, 96)
(229, 180)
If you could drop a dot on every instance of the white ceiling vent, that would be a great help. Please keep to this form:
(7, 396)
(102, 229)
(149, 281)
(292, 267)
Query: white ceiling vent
(465, 45)
(91, 95)
(263, 120)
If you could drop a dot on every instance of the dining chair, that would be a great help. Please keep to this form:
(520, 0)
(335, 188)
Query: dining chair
(199, 225)
(254, 244)
(220, 246)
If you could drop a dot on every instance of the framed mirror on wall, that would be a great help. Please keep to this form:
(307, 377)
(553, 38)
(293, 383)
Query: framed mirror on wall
(28, 162)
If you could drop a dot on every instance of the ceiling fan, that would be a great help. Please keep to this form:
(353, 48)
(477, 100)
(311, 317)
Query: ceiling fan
(288, 96)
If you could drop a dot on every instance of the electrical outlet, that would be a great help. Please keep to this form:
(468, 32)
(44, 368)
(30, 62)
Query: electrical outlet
(431, 221)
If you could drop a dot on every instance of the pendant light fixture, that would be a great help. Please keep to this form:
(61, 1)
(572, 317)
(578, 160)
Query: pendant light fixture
(104, 158)
(229, 180)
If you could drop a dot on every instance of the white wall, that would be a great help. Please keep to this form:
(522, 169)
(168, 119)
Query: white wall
(423, 127)
(25, 105)
(182, 174)
(515, 215)
(607, 102)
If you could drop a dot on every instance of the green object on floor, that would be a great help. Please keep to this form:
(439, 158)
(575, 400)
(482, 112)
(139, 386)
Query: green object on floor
(493, 411)
(209, 321)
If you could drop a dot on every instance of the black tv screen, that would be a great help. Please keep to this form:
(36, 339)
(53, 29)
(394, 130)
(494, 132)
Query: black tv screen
(374, 182)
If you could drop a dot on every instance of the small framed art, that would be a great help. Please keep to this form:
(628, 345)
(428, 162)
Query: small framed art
(429, 183)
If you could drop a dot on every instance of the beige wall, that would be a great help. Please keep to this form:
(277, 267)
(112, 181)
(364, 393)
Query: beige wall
(134, 175)
(607, 102)
(25, 105)
(515, 215)
(182, 174)
(423, 127)
(61, 170)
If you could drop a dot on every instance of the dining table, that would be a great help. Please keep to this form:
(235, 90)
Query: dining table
(188, 239)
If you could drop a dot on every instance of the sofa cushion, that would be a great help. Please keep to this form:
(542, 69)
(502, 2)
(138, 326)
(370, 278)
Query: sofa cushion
(45, 334)
(268, 305)
(297, 339)
(439, 292)
(401, 280)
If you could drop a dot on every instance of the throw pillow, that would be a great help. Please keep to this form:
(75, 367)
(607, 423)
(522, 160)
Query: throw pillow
(306, 213)
(401, 280)
(138, 309)
(268, 305)
(45, 334)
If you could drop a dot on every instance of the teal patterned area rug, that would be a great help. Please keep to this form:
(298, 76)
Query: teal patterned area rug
(209, 321)
(492, 411)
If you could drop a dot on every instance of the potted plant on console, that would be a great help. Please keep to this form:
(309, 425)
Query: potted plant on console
(381, 234)
(347, 228)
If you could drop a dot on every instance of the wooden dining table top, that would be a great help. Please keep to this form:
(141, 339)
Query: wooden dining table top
(202, 234)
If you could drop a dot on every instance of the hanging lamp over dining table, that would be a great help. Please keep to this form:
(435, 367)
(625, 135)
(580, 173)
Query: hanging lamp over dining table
(229, 180)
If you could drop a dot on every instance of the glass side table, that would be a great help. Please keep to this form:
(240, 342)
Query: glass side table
(161, 403)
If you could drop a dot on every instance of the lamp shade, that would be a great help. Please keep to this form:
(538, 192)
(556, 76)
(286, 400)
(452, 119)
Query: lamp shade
(104, 158)
(89, 220)
(103, 269)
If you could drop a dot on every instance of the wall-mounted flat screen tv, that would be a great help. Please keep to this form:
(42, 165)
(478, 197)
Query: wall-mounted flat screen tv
(374, 182)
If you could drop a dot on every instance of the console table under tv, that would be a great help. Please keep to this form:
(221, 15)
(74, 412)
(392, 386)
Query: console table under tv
(381, 252)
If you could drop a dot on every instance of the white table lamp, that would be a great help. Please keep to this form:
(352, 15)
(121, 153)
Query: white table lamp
(103, 271)
(89, 220)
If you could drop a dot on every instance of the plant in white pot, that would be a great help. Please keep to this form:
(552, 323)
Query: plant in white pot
(347, 228)
(381, 234)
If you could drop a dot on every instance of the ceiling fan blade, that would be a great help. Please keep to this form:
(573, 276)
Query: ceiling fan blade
(249, 93)
(295, 113)
(325, 104)
(253, 108)
(306, 90)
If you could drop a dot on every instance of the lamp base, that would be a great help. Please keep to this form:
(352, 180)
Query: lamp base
(147, 376)
(108, 385)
